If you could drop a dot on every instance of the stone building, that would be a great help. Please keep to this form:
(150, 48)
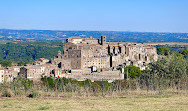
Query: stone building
(36, 71)
(2, 75)
(8, 73)
(83, 53)
(11, 73)
(87, 58)
(136, 54)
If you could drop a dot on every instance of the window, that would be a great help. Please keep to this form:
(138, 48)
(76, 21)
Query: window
(145, 58)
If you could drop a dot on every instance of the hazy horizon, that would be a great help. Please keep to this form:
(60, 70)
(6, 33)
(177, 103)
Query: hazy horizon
(88, 30)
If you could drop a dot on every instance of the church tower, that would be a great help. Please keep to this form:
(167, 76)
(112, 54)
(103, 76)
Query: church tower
(103, 39)
(59, 54)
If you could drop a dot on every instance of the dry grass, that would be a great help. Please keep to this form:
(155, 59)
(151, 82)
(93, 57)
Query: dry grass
(168, 102)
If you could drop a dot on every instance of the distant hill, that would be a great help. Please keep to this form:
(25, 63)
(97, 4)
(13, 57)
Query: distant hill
(7, 34)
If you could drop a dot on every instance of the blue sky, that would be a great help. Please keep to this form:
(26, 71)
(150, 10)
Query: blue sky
(97, 15)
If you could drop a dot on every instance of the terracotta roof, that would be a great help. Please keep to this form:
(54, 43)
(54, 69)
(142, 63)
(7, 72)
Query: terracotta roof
(111, 43)
(148, 48)
(115, 45)
(89, 39)
(2, 69)
(74, 38)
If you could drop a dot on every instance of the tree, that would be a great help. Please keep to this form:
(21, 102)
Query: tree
(133, 71)
(6, 63)
(184, 52)
(173, 66)
(21, 63)
(163, 51)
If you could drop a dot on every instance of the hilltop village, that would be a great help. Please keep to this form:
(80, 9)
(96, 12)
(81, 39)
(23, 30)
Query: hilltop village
(86, 58)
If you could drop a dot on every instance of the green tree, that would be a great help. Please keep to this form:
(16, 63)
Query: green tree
(184, 52)
(163, 51)
(171, 67)
(133, 71)
(21, 63)
(6, 63)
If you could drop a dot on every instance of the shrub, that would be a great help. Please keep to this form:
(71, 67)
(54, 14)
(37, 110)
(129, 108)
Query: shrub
(19, 93)
(133, 72)
(44, 108)
(7, 93)
(34, 94)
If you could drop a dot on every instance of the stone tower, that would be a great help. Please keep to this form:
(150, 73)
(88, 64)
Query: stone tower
(103, 39)
(59, 52)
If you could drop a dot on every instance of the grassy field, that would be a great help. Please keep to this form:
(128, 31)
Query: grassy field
(170, 102)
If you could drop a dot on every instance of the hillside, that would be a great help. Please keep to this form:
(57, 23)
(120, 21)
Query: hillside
(28, 51)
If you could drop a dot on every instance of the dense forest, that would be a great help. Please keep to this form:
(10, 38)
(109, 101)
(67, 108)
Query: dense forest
(23, 52)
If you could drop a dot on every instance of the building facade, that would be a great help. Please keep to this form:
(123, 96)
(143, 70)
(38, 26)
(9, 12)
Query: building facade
(83, 53)
(86, 58)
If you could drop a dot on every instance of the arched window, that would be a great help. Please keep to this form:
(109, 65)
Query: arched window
(146, 58)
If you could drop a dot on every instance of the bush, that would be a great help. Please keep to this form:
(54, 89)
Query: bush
(19, 93)
(34, 94)
(133, 72)
(7, 93)
(44, 108)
